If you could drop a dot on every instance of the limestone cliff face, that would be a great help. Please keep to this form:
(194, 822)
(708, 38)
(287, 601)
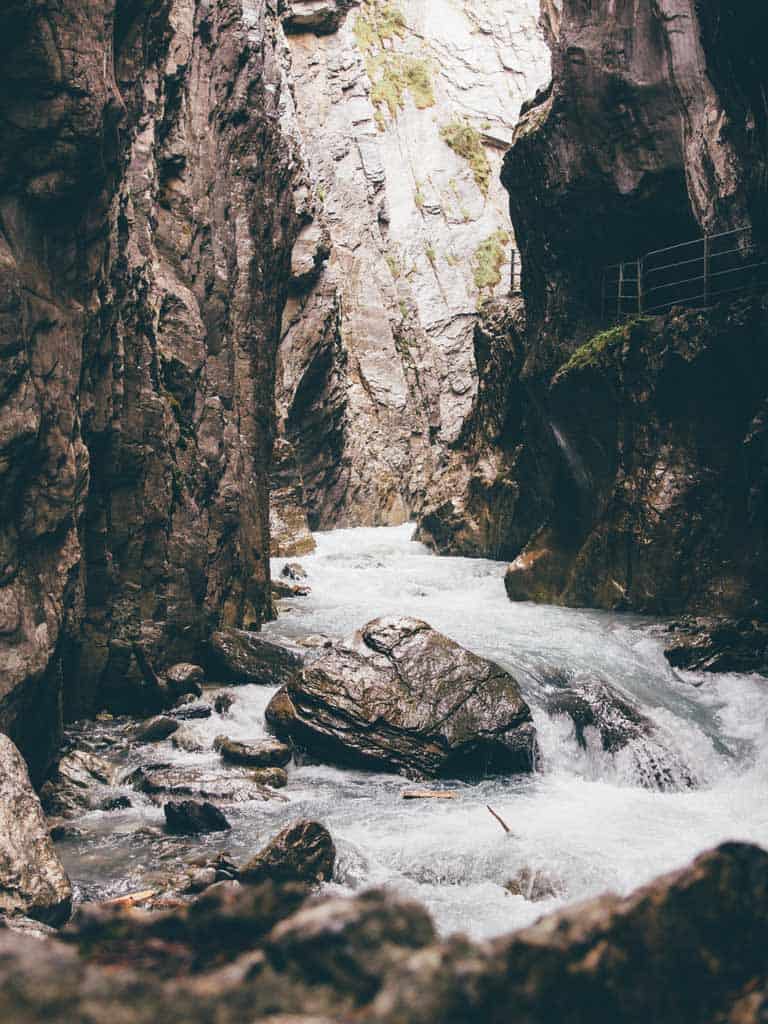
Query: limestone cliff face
(623, 472)
(147, 217)
(405, 110)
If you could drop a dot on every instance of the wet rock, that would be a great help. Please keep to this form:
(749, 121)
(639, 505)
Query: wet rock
(185, 678)
(718, 645)
(32, 881)
(281, 589)
(182, 781)
(190, 711)
(222, 705)
(610, 720)
(275, 778)
(259, 754)
(244, 657)
(116, 803)
(189, 818)
(156, 730)
(595, 705)
(187, 739)
(535, 885)
(403, 697)
(294, 571)
(302, 852)
(75, 783)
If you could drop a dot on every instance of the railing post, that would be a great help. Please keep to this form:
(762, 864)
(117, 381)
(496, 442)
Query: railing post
(620, 291)
(706, 270)
(639, 286)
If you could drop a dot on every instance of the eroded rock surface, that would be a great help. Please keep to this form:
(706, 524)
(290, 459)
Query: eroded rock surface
(403, 697)
(376, 374)
(32, 881)
(302, 852)
(624, 470)
(147, 181)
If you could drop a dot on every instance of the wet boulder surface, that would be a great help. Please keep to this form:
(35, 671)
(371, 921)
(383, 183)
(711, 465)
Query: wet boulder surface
(608, 720)
(302, 852)
(241, 656)
(404, 698)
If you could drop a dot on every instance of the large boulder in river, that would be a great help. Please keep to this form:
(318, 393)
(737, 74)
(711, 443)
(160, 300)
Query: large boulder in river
(404, 698)
(32, 881)
(239, 656)
(303, 852)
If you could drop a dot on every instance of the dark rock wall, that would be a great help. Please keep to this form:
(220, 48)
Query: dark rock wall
(636, 481)
(147, 217)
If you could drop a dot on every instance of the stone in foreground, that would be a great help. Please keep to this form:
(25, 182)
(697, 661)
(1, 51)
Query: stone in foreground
(189, 818)
(32, 881)
(404, 698)
(303, 852)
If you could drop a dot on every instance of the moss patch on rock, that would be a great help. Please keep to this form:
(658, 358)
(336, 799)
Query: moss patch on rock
(393, 74)
(598, 350)
(488, 259)
(466, 141)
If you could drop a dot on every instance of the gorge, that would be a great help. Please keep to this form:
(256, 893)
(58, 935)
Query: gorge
(324, 280)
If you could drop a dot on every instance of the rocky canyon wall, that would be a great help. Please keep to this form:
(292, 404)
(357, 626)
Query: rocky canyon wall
(405, 110)
(624, 468)
(148, 190)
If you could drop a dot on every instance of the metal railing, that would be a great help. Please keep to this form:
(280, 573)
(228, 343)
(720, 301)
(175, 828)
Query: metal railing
(694, 274)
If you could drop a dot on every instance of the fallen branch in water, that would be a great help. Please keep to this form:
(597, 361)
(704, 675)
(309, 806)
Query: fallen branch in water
(428, 794)
(131, 899)
(500, 820)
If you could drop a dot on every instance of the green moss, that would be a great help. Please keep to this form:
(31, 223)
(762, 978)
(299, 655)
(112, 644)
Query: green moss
(404, 310)
(392, 74)
(593, 353)
(489, 257)
(467, 143)
(418, 197)
(377, 22)
(394, 264)
(431, 255)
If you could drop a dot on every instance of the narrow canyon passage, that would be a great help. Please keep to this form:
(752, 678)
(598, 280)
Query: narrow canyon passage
(588, 820)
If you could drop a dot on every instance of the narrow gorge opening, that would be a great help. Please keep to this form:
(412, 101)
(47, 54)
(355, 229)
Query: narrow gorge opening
(363, 579)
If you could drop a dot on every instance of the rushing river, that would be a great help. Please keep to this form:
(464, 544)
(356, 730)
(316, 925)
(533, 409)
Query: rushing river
(587, 821)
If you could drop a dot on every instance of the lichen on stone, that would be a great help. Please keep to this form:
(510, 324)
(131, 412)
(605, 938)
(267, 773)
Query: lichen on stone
(465, 140)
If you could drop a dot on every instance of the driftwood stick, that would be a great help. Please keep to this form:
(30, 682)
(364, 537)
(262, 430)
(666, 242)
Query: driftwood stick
(428, 794)
(500, 820)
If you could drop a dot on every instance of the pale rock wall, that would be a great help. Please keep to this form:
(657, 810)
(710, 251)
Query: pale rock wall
(377, 374)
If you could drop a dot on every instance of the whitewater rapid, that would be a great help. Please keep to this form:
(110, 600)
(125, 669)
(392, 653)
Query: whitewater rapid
(586, 821)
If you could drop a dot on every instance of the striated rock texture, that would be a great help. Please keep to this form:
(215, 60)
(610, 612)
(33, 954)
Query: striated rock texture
(405, 109)
(625, 469)
(32, 880)
(686, 949)
(147, 217)
(403, 697)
